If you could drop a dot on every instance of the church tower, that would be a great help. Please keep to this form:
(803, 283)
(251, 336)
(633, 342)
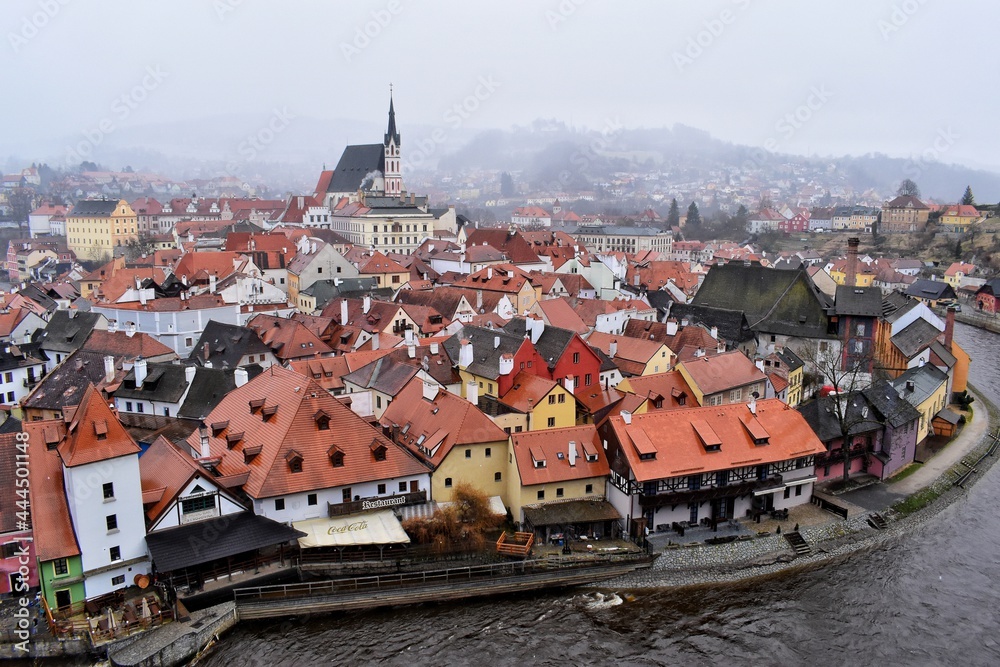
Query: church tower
(393, 172)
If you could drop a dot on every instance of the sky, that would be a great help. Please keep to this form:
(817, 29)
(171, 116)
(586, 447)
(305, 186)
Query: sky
(908, 78)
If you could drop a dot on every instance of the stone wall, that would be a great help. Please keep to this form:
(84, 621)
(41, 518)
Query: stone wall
(175, 643)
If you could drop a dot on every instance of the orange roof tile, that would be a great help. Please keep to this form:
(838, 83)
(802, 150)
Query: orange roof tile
(52, 527)
(552, 446)
(94, 433)
(527, 391)
(721, 372)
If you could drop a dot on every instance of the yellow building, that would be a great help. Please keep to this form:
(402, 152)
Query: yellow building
(555, 466)
(725, 378)
(634, 356)
(97, 227)
(959, 218)
(957, 272)
(545, 403)
(863, 277)
(925, 388)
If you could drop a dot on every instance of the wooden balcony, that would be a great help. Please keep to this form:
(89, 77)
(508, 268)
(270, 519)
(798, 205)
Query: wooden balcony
(685, 496)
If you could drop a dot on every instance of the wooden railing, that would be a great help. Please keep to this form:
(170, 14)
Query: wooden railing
(517, 544)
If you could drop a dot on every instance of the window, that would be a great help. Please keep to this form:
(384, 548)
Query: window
(166, 412)
(279, 504)
(773, 339)
(10, 397)
(8, 377)
(311, 499)
(798, 490)
(60, 567)
(587, 379)
(402, 487)
(541, 494)
(860, 330)
(552, 399)
(295, 465)
(559, 492)
(128, 406)
(188, 342)
(109, 491)
(506, 429)
(576, 357)
(518, 429)
(198, 504)
(735, 395)
(589, 489)
(788, 492)
(447, 482)
(552, 422)
(497, 477)
(381, 489)
(468, 453)
(116, 553)
(118, 581)
(139, 407)
(111, 521)
(345, 495)
(562, 398)
(378, 401)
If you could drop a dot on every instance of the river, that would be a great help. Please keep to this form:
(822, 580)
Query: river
(928, 599)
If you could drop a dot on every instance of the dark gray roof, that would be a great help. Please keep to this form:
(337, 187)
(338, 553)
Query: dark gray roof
(15, 356)
(949, 416)
(10, 425)
(227, 343)
(991, 286)
(209, 387)
(325, 291)
(550, 345)
(385, 375)
(65, 384)
(66, 331)
(485, 355)
(895, 305)
(791, 360)
(570, 512)
(858, 301)
(607, 363)
(930, 289)
(926, 379)
(94, 208)
(775, 302)
(39, 296)
(917, 336)
(355, 163)
(938, 348)
(732, 324)
(164, 382)
(821, 415)
(205, 541)
(894, 409)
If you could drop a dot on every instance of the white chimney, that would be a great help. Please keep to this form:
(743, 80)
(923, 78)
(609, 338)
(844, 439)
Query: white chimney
(434, 348)
(375, 341)
(472, 392)
(506, 364)
(752, 405)
(465, 354)
(140, 371)
(408, 336)
(109, 369)
(189, 372)
(759, 363)
(130, 329)
(113, 326)
(572, 453)
(496, 342)
(626, 416)
(343, 311)
(613, 349)
(537, 328)
(367, 304)
(206, 450)
(671, 327)
(569, 383)
(411, 349)
(430, 390)
(489, 273)
(212, 283)
(714, 331)
(241, 376)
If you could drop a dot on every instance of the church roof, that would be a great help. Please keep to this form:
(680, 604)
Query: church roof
(356, 163)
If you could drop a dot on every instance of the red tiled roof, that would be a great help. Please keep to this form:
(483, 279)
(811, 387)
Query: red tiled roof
(287, 338)
(52, 527)
(527, 391)
(294, 426)
(328, 372)
(379, 264)
(548, 445)
(672, 435)
(94, 433)
(165, 470)
(669, 386)
(120, 344)
(721, 372)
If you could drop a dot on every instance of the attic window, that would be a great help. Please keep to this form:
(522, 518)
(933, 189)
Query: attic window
(336, 457)
(52, 437)
(256, 405)
(233, 438)
(294, 460)
(101, 429)
(322, 420)
(219, 427)
(250, 453)
(378, 450)
(269, 412)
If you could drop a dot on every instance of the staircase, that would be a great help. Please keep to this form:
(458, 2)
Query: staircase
(798, 543)
(877, 521)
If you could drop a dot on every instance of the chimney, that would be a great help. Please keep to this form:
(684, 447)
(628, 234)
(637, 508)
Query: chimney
(479, 300)
(714, 332)
(572, 453)
(626, 417)
(189, 372)
(537, 329)
(411, 349)
(949, 327)
(205, 352)
(212, 283)
(496, 342)
(569, 383)
(430, 390)
(752, 405)
(465, 354)
(434, 348)
(671, 327)
(241, 377)
(506, 364)
(851, 278)
(140, 372)
(489, 273)
(613, 348)
(472, 392)
(375, 341)
(113, 326)
(206, 451)
(910, 386)
(130, 329)
(367, 304)
(109, 369)
(635, 280)
(343, 311)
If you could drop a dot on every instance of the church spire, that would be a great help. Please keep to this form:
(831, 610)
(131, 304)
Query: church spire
(391, 133)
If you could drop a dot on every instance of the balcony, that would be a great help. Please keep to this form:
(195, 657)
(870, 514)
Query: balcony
(684, 496)
(376, 503)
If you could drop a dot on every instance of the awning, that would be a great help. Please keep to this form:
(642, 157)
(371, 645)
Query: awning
(380, 527)
(205, 541)
(799, 482)
(570, 512)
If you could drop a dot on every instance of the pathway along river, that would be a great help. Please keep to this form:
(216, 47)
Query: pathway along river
(928, 599)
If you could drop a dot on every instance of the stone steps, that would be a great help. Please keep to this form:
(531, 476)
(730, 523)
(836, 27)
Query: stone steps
(798, 543)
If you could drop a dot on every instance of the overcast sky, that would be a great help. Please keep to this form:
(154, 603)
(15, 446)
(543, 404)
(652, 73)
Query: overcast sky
(903, 77)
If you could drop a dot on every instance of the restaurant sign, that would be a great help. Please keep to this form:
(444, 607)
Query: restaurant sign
(383, 502)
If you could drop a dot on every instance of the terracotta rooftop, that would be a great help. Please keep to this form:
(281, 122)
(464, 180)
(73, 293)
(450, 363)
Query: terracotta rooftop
(94, 433)
(551, 449)
(725, 371)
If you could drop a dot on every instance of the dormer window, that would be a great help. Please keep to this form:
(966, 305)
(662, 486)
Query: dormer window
(336, 457)
(322, 420)
(101, 429)
(219, 427)
(378, 450)
(294, 460)
(268, 412)
(232, 439)
(250, 453)
(256, 405)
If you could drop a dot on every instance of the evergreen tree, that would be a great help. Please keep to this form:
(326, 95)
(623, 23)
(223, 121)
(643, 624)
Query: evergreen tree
(967, 198)
(693, 216)
(673, 215)
(741, 219)
(958, 250)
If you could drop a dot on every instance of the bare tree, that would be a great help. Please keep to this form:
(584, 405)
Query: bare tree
(908, 187)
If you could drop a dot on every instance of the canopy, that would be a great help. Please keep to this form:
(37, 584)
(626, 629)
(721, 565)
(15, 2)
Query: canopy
(380, 527)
